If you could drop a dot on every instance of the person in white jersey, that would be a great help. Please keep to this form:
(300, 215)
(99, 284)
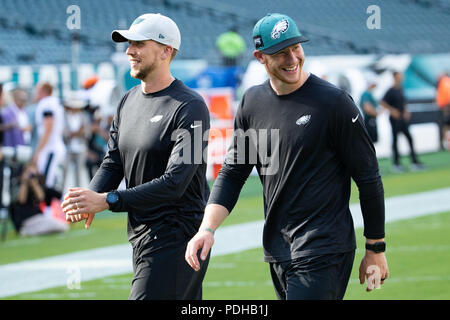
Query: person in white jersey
(50, 151)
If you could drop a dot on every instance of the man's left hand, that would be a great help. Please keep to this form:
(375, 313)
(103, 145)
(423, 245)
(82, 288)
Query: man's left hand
(373, 267)
(82, 203)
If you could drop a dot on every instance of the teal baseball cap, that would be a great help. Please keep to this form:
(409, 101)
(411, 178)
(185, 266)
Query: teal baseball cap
(275, 32)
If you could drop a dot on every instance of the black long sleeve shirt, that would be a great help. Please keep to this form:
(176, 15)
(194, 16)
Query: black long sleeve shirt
(309, 144)
(157, 143)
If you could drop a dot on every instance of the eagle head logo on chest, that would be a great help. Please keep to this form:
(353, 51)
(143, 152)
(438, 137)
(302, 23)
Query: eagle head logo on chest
(303, 120)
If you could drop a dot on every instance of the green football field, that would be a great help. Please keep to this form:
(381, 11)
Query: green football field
(418, 249)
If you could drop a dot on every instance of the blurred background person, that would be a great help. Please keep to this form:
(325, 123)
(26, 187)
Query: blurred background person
(443, 102)
(97, 141)
(394, 100)
(76, 124)
(31, 112)
(16, 122)
(369, 107)
(50, 152)
(27, 195)
(231, 46)
(3, 126)
(25, 185)
(1, 145)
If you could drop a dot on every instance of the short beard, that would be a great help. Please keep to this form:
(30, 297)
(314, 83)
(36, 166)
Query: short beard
(141, 74)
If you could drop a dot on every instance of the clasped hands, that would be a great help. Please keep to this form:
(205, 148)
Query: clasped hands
(82, 204)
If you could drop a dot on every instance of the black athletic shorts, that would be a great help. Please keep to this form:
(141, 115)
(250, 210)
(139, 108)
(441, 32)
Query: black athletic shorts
(160, 270)
(322, 277)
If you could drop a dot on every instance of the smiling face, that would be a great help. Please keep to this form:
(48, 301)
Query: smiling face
(145, 57)
(284, 67)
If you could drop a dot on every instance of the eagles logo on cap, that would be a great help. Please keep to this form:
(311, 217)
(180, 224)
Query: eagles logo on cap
(279, 28)
(275, 32)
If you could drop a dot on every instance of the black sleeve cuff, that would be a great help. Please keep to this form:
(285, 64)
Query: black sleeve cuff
(374, 217)
(228, 185)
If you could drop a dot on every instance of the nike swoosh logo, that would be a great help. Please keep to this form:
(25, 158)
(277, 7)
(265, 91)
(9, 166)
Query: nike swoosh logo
(156, 118)
(192, 126)
(354, 119)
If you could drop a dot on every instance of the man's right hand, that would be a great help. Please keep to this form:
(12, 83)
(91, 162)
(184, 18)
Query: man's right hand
(204, 240)
(80, 217)
(215, 214)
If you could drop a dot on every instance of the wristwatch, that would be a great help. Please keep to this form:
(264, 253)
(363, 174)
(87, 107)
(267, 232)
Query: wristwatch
(376, 247)
(112, 199)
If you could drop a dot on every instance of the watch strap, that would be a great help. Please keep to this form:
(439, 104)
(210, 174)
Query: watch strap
(376, 247)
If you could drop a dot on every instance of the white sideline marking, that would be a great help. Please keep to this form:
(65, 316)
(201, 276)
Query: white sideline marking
(35, 275)
(40, 274)
(409, 206)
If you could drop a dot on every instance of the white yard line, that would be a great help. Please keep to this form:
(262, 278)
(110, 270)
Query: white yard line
(35, 275)
(410, 206)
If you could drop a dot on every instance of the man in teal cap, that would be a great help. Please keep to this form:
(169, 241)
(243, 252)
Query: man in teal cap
(318, 143)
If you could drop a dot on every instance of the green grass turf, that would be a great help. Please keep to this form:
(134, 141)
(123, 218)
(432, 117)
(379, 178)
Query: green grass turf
(110, 228)
(107, 229)
(418, 257)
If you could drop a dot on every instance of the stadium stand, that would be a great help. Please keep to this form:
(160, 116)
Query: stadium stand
(34, 32)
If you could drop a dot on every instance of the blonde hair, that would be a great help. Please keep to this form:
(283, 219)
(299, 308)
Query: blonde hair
(174, 53)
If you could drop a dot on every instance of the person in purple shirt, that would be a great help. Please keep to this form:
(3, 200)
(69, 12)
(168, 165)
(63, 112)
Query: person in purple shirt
(15, 120)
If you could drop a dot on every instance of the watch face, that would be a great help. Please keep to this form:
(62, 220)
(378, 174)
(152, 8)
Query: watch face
(112, 198)
(380, 247)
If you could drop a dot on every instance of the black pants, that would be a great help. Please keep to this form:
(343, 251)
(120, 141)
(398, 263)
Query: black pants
(160, 270)
(323, 277)
(397, 127)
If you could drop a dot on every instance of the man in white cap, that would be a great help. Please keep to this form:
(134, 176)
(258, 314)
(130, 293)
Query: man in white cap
(152, 145)
(317, 144)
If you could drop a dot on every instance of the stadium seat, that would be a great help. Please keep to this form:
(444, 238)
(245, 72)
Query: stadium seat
(30, 29)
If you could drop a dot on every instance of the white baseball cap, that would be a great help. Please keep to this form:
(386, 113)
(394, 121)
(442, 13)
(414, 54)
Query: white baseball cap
(151, 26)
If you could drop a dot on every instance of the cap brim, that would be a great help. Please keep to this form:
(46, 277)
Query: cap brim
(284, 44)
(125, 35)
